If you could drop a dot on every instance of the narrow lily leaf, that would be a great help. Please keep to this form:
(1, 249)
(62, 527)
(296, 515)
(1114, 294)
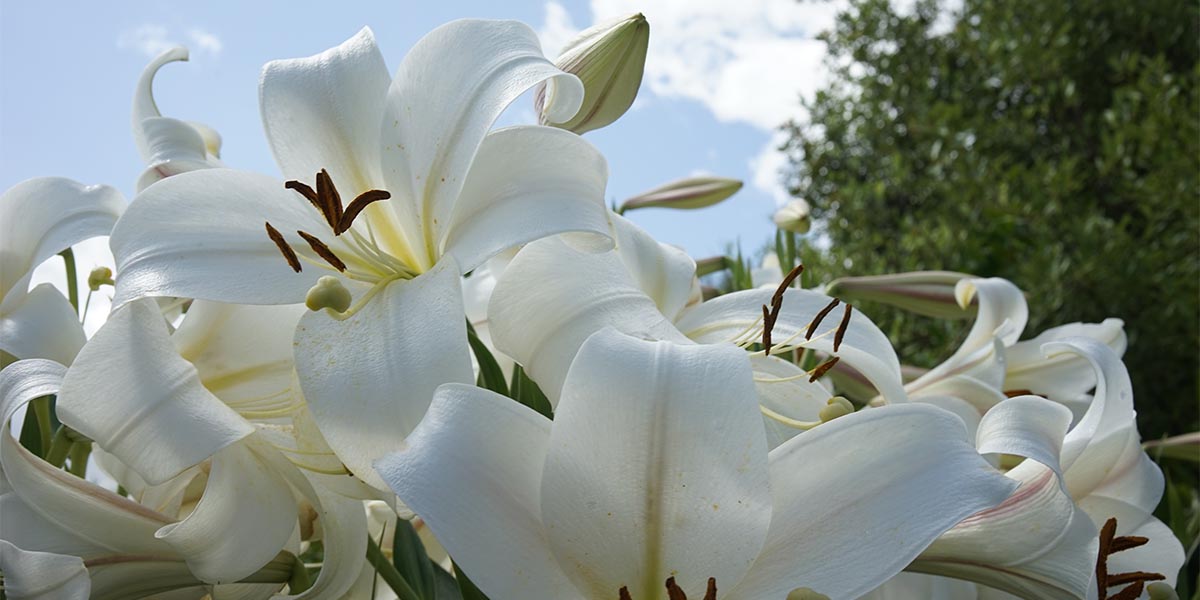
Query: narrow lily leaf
(447, 586)
(525, 391)
(468, 589)
(490, 377)
(408, 555)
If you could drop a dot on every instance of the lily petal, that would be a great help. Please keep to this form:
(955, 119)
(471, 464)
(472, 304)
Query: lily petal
(657, 468)
(42, 324)
(201, 235)
(41, 217)
(175, 147)
(324, 112)
(734, 316)
(590, 291)
(1099, 438)
(664, 272)
(1026, 426)
(1066, 375)
(526, 183)
(449, 90)
(783, 388)
(473, 471)
(152, 398)
(243, 520)
(369, 379)
(827, 492)
(42, 576)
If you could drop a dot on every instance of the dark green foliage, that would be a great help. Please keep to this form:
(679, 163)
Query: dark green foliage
(1056, 144)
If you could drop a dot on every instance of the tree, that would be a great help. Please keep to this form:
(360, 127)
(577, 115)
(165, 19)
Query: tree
(1056, 144)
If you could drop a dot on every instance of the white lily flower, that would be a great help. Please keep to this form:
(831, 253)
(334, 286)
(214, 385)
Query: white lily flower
(1043, 541)
(130, 390)
(655, 476)
(38, 219)
(644, 288)
(456, 195)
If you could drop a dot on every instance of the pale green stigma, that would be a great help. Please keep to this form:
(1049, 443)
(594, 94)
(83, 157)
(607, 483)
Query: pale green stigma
(328, 293)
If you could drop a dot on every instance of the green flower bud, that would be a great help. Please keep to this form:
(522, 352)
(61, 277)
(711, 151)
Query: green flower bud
(794, 217)
(609, 59)
(98, 277)
(688, 193)
(929, 293)
(328, 293)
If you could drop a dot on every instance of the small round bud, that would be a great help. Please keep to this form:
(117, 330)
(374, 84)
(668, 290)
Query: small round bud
(98, 277)
(328, 293)
(837, 406)
(805, 594)
(794, 217)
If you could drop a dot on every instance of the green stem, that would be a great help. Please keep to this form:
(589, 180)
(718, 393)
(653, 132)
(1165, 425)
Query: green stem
(72, 281)
(86, 305)
(79, 458)
(388, 572)
(41, 411)
(59, 448)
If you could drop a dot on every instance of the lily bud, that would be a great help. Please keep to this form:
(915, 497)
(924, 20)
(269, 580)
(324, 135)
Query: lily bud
(328, 293)
(688, 193)
(609, 59)
(98, 277)
(929, 293)
(794, 217)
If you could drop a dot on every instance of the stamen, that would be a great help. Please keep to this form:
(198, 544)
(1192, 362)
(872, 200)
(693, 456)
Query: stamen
(323, 251)
(305, 191)
(812, 327)
(1111, 544)
(711, 592)
(357, 206)
(1127, 542)
(777, 299)
(772, 315)
(624, 594)
(330, 199)
(1129, 593)
(768, 325)
(288, 254)
(841, 330)
(674, 592)
(823, 368)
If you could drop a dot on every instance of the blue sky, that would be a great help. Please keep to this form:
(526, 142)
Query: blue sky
(720, 76)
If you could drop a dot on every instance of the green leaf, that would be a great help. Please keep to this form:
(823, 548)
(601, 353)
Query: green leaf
(491, 377)
(446, 585)
(408, 555)
(468, 589)
(388, 572)
(525, 391)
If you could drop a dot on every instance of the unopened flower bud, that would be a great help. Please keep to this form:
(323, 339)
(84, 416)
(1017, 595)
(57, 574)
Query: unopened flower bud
(328, 293)
(609, 59)
(794, 217)
(836, 406)
(688, 193)
(929, 293)
(98, 277)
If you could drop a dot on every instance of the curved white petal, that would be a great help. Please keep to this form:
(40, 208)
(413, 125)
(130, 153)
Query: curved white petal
(1133, 479)
(1066, 375)
(42, 324)
(784, 390)
(42, 576)
(552, 296)
(1001, 317)
(449, 90)
(915, 586)
(526, 183)
(657, 468)
(738, 316)
(41, 217)
(1026, 426)
(243, 354)
(838, 504)
(1099, 438)
(979, 395)
(175, 147)
(664, 272)
(369, 379)
(963, 410)
(129, 390)
(202, 235)
(243, 520)
(473, 470)
(324, 112)
(144, 106)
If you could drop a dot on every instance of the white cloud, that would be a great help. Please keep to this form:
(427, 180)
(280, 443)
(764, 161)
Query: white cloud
(557, 30)
(152, 39)
(767, 167)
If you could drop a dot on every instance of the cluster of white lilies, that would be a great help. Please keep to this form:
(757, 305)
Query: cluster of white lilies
(430, 362)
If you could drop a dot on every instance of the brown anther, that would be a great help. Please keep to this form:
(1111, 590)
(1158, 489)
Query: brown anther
(323, 251)
(357, 206)
(816, 322)
(777, 299)
(711, 592)
(1135, 581)
(823, 368)
(303, 189)
(293, 261)
(674, 592)
(624, 594)
(331, 201)
(841, 330)
(768, 325)
(1015, 393)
